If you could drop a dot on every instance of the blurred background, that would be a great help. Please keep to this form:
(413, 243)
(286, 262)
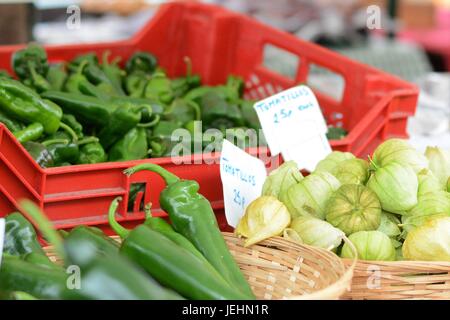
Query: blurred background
(408, 38)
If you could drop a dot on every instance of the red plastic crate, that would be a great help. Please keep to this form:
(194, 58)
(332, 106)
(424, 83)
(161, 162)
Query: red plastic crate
(375, 106)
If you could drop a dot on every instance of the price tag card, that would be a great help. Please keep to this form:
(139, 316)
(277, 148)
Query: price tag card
(2, 237)
(294, 126)
(242, 179)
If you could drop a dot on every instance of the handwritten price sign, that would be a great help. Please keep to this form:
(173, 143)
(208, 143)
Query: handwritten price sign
(242, 178)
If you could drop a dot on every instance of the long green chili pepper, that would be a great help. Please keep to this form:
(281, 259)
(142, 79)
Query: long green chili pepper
(170, 264)
(12, 124)
(192, 216)
(20, 236)
(163, 227)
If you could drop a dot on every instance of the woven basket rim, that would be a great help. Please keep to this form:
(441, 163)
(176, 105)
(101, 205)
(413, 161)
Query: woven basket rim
(402, 263)
(336, 289)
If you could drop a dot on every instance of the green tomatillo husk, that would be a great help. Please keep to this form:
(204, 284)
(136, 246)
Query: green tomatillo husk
(396, 186)
(400, 151)
(370, 245)
(332, 160)
(352, 171)
(428, 183)
(429, 242)
(264, 217)
(281, 179)
(316, 232)
(353, 208)
(309, 197)
(439, 164)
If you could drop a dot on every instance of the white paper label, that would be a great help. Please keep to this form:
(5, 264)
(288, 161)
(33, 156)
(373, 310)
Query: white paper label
(294, 126)
(2, 237)
(242, 179)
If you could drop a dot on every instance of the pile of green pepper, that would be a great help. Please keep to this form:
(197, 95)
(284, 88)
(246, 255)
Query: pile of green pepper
(89, 111)
(187, 259)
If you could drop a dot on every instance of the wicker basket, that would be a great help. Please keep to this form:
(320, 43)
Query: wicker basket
(281, 269)
(400, 280)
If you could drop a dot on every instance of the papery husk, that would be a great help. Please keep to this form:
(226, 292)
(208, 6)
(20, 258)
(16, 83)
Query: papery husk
(265, 217)
(400, 151)
(332, 160)
(396, 186)
(318, 233)
(352, 171)
(389, 224)
(428, 183)
(431, 205)
(354, 208)
(309, 197)
(429, 242)
(281, 179)
(439, 164)
(370, 245)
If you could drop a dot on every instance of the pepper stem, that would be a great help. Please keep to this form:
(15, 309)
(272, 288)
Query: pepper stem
(80, 68)
(44, 225)
(87, 140)
(151, 123)
(54, 141)
(69, 130)
(117, 228)
(168, 177)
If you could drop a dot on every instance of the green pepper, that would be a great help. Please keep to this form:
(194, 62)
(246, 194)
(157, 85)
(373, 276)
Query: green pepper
(192, 216)
(123, 119)
(90, 58)
(170, 264)
(182, 111)
(109, 277)
(20, 236)
(39, 281)
(160, 142)
(31, 66)
(87, 110)
(10, 123)
(92, 153)
(104, 244)
(162, 226)
(64, 151)
(79, 84)
(249, 114)
(31, 133)
(132, 146)
(56, 76)
(182, 85)
(217, 113)
(336, 133)
(73, 123)
(113, 72)
(148, 107)
(20, 295)
(39, 153)
(136, 82)
(22, 103)
(159, 88)
(141, 61)
(41, 260)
